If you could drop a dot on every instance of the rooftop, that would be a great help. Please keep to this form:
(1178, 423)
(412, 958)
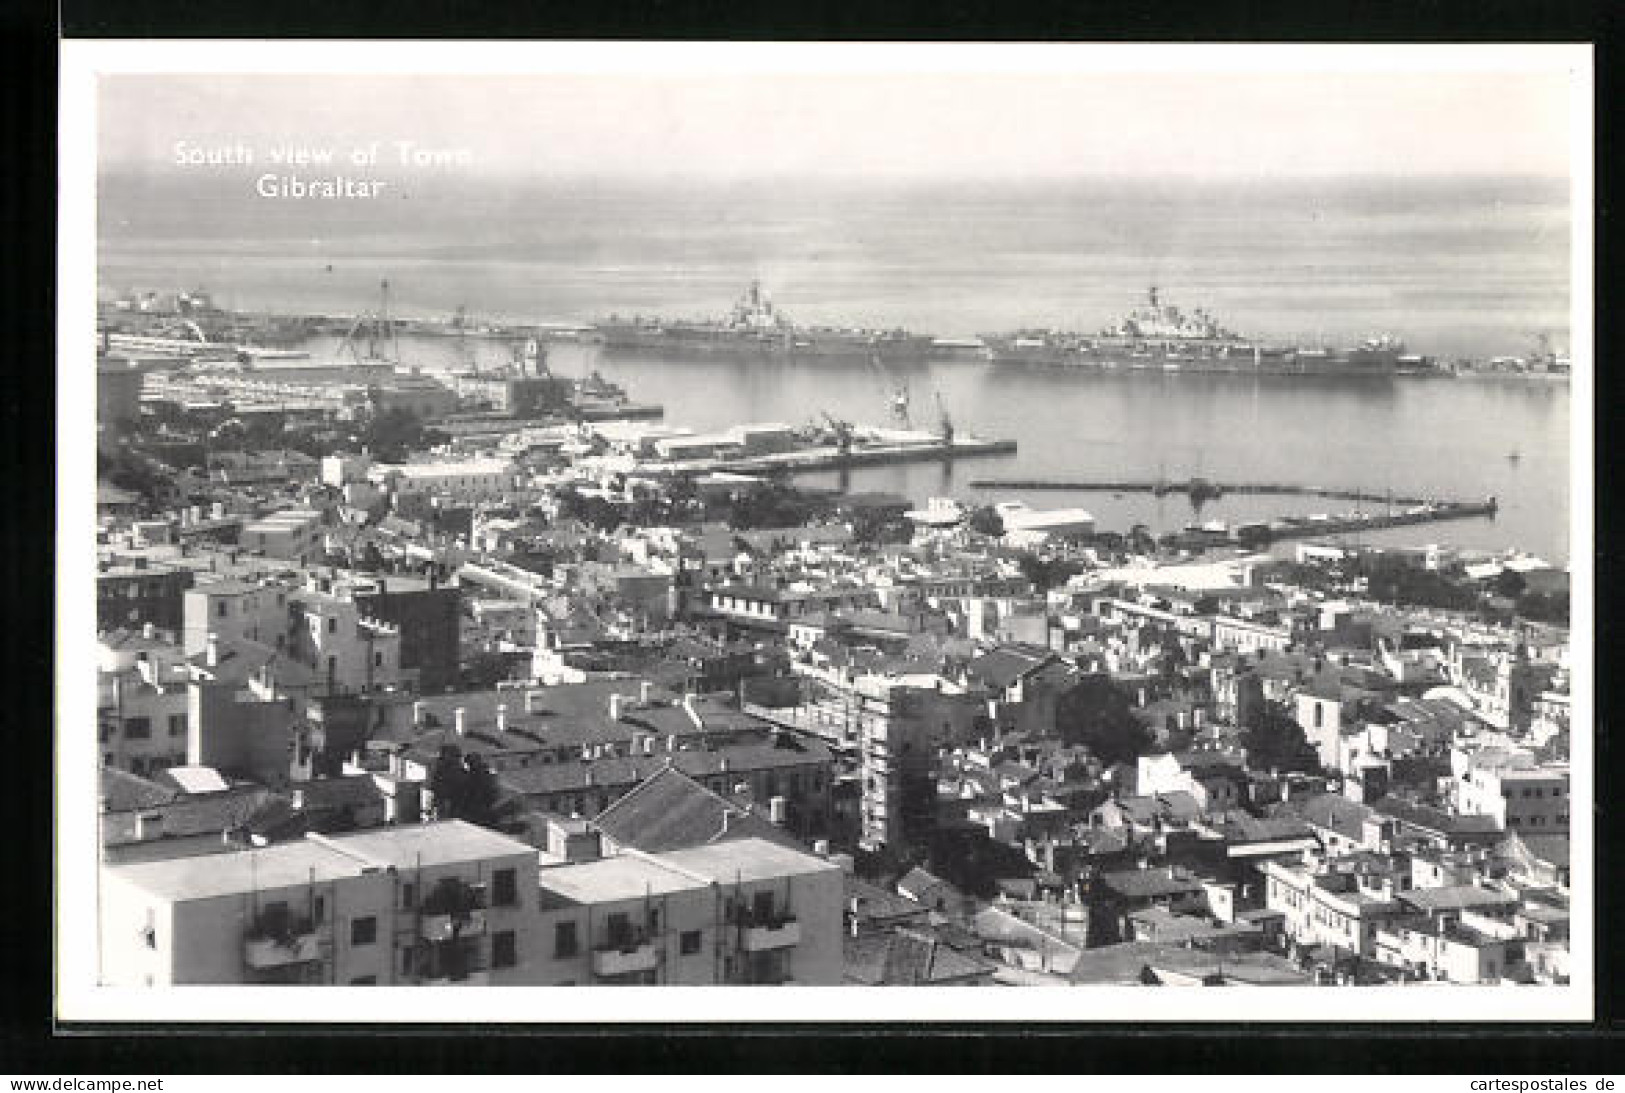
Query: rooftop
(612, 879)
(413, 845)
(748, 860)
(207, 876)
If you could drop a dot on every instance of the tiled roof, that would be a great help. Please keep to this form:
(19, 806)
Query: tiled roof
(875, 905)
(1455, 897)
(1148, 883)
(1008, 663)
(1130, 963)
(669, 811)
(908, 958)
(627, 771)
(203, 814)
(916, 883)
(123, 792)
(324, 793)
(1333, 813)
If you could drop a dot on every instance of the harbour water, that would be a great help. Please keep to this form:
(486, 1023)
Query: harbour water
(1416, 437)
(1456, 267)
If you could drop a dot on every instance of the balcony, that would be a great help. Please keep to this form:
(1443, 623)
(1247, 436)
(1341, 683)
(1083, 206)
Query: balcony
(449, 925)
(279, 940)
(453, 909)
(468, 979)
(765, 935)
(630, 958)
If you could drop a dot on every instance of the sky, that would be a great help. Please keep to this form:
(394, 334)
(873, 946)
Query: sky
(869, 124)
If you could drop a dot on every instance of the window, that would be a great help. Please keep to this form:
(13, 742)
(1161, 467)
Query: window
(220, 609)
(378, 660)
(177, 724)
(138, 728)
(620, 929)
(409, 895)
(504, 888)
(565, 942)
(688, 943)
(761, 905)
(504, 949)
(318, 908)
(364, 981)
(364, 931)
(332, 625)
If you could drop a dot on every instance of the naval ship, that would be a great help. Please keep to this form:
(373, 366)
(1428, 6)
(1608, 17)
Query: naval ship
(754, 328)
(1162, 337)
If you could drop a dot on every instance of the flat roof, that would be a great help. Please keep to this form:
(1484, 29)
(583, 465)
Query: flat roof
(209, 875)
(609, 880)
(747, 860)
(431, 844)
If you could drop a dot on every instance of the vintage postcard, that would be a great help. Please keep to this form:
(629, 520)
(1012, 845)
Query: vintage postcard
(546, 518)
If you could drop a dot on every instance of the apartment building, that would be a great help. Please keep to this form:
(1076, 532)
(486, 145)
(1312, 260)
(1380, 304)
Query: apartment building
(323, 628)
(742, 912)
(1520, 794)
(433, 904)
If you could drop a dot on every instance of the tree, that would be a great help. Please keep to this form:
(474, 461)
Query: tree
(1275, 741)
(446, 782)
(1509, 583)
(1047, 573)
(479, 792)
(1099, 715)
(986, 521)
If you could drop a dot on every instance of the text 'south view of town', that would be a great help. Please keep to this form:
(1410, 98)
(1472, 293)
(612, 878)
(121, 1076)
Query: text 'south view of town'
(1063, 528)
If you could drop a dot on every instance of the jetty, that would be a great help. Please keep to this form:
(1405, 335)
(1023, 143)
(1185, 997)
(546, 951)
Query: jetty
(1197, 488)
(810, 460)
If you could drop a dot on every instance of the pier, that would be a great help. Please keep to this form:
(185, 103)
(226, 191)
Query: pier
(1197, 488)
(1414, 510)
(809, 460)
(1310, 527)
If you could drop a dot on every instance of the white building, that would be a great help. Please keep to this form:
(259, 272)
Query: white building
(744, 911)
(433, 904)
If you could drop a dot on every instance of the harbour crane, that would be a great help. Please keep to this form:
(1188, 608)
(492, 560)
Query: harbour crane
(842, 431)
(377, 326)
(897, 392)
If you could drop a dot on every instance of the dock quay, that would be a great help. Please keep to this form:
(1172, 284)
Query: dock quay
(1310, 527)
(827, 459)
(1198, 488)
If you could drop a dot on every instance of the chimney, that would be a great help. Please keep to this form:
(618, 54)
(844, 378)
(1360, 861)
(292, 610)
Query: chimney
(462, 721)
(643, 693)
(502, 717)
(671, 742)
(821, 848)
(533, 702)
(648, 745)
(211, 650)
(614, 707)
(778, 811)
(725, 765)
(147, 630)
(693, 715)
(149, 825)
(297, 797)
